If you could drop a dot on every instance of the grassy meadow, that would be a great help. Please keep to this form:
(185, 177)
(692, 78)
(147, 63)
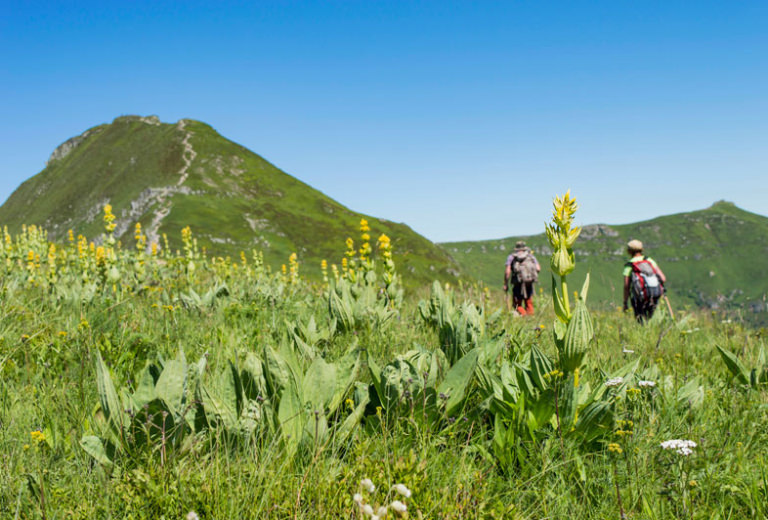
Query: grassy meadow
(139, 383)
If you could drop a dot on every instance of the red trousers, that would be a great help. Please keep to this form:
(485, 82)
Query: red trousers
(522, 298)
(524, 306)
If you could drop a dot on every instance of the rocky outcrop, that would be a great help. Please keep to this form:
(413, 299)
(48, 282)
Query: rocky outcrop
(67, 146)
(597, 230)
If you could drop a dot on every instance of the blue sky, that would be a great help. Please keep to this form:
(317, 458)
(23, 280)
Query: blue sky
(461, 119)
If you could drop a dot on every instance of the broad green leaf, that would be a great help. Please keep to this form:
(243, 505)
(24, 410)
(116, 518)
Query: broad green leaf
(561, 312)
(346, 371)
(692, 393)
(226, 389)
(594, 420)
(351, 422)
(734, 365)
(252, 376)
(542, 410)
(559, 329)
(585, 289)
(567, 402)
(145, 390)
(95, 448)
(291, 416)
(110, 403)
(375, 373)
(171, 387)
(220, 399)
(457, 379)
(319, 384)
(281, 371)
(540, 366)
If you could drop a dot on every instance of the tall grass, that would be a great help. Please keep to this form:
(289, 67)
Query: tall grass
(51, 339)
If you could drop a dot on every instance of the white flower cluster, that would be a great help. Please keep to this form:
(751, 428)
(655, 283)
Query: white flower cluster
(646, 384)
(682, 447)
(401, 489)
(614, 381)
(378, 513)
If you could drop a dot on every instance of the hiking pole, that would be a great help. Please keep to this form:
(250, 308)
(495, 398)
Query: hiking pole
(669, 307)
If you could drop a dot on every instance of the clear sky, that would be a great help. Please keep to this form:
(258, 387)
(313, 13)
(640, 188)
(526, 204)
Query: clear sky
(461, 119)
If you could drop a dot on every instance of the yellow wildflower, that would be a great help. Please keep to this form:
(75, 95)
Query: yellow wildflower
(109, 219)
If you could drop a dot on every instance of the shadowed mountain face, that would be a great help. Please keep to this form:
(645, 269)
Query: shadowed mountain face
(716, 258)
(169, 176)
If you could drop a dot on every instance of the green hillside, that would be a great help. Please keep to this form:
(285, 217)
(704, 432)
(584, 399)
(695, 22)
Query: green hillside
(168, 176)
(713, 258)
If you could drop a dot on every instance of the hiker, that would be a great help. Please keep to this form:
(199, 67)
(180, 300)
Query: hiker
(522, 270)
(643, 282)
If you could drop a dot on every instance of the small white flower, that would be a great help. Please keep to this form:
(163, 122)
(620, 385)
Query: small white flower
(367, 509)
(398, 506)
(382, 512)
(646, 384)
(615, 381)
(368, 484)
(400, 488)
(358, 498)
(192, 516)
(625, 350)
(681, 446)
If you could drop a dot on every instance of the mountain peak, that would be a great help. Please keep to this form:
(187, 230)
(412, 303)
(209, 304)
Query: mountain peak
(723, 204)
(168, 176)
(150, 120)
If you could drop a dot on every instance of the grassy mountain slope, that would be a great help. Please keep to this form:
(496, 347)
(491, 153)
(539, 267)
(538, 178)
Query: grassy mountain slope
(715, 257)
(168, 176)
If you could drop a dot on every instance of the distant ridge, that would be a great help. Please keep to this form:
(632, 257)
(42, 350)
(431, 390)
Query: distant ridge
(168, 176)
(715, 258)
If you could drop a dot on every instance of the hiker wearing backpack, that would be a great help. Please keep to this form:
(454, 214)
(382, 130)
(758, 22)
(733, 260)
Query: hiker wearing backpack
(522, 270)
(643, 282)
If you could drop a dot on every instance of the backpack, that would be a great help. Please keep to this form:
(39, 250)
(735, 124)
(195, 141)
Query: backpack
(645, 284)
(524, 267)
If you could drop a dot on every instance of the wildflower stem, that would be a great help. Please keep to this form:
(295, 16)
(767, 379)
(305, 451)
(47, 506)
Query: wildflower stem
(622, 515)
(559, 430)
(564, 290)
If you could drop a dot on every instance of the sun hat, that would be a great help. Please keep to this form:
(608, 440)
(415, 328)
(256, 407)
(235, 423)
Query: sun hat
(635, 246)
(520, 245)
